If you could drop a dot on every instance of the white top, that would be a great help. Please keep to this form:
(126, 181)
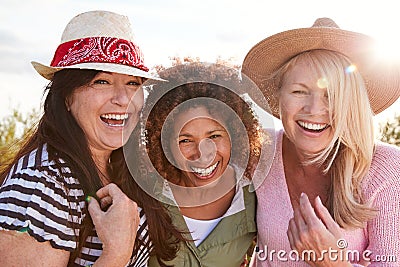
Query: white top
(200, 229)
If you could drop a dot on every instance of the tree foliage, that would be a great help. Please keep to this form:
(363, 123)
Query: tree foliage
(175, 61)
(12, 130)
(390, 131)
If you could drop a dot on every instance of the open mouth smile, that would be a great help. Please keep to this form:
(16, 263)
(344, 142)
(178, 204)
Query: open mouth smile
(204, 172)
(313, 127)
(114, 120)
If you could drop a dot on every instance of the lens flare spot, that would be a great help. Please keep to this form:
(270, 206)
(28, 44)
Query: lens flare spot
(322, 83)
(351, 68)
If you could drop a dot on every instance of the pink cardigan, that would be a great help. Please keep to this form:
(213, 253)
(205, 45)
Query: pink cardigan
(381, 235)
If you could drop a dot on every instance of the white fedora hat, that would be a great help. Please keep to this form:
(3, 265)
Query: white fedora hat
(99, 40)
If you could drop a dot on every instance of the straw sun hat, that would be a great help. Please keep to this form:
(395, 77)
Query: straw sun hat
(99, 40)
(382, 79)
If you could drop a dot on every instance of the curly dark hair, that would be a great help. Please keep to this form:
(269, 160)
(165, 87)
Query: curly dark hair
(203, 83)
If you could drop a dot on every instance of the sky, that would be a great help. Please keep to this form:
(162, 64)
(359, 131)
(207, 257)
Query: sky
(208, 29)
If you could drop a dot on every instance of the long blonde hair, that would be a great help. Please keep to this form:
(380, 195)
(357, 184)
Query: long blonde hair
(348, 156)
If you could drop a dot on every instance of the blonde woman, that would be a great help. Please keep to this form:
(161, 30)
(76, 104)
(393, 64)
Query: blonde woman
(332, 197)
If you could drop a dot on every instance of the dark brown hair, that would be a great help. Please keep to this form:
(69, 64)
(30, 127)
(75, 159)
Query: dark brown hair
(66, 140)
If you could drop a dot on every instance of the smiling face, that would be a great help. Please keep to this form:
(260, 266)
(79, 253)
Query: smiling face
(106, 108)
(200, 147)
(304, 108)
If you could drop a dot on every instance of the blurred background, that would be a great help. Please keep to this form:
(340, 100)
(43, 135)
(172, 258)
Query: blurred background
(169, 30)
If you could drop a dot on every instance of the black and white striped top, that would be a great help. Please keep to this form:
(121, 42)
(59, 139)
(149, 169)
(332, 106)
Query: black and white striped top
(36, 199)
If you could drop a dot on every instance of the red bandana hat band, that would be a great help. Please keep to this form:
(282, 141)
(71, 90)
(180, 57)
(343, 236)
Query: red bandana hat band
(98, 50)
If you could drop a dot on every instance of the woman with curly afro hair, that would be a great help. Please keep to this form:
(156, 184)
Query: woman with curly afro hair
(204, 140)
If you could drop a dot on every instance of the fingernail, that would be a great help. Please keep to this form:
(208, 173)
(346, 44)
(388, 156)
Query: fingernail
(319, 200)
(302, 197)
(88, 199)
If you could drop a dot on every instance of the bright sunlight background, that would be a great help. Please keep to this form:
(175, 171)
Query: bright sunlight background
(31, 30)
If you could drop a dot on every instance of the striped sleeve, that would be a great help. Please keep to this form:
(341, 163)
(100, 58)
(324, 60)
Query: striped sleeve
(145, 246)
(33, 200)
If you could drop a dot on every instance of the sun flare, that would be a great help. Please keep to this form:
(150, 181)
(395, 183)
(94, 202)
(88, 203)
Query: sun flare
(387, 48)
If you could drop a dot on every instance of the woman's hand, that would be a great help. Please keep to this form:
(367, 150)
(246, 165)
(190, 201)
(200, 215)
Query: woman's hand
(314, 234)
(116, 226)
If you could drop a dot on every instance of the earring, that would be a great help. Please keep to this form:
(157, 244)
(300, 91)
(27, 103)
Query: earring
(67, 105)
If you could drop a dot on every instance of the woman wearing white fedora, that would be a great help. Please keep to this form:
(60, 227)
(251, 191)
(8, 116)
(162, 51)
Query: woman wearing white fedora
(332, 196)
(49, 215)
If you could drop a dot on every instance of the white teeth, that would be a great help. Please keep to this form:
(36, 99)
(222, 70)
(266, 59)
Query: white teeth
(312, 126)
(206, 171)
(115, 116)
(117, 125)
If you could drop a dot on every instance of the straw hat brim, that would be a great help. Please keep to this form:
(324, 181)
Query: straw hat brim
(48, 72)
(266, 57)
